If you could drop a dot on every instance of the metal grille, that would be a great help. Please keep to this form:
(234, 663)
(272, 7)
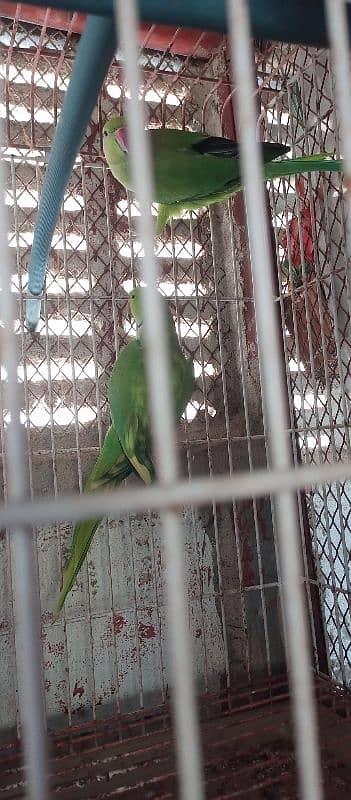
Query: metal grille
(65, 367)
(109, 652)
(308, 218)
(135, 753)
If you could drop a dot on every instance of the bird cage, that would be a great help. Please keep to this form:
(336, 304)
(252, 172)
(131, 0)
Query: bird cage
(106, 663)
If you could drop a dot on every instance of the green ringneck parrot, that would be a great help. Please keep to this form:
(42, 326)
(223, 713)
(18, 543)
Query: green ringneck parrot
(192, 170)
(127, 447)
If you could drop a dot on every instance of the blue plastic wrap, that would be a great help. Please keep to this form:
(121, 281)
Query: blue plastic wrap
(93, 58)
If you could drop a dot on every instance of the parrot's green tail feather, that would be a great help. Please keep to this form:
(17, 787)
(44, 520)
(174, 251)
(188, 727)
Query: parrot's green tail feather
(165, 212)
(320, 162)
(110, 469)
(82, 537)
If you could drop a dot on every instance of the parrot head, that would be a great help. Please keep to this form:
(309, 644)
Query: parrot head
(136, 305)
(115, 132)
(137, 299)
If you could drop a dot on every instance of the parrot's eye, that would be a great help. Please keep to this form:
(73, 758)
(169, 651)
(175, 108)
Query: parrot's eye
(105, 133)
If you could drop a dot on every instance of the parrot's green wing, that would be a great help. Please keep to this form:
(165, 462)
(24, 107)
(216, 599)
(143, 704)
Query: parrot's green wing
(110, 469)
(129, 408)
(191, 168)
(175, 141)
(319, 162)
(194, 170)
(129, 398)
(183, 381)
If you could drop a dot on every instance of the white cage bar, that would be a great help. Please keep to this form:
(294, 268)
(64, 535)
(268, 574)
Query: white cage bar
(171, 494)
(25, 591)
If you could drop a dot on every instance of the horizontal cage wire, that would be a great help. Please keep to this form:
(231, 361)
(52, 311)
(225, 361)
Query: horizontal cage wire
(106, 660)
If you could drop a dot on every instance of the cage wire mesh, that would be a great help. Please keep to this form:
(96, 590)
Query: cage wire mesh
(108, 652)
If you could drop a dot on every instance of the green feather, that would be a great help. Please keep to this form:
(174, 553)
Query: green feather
(192, 170)
(164, 213)
(110, 469)
(128, 443)
(318, 162)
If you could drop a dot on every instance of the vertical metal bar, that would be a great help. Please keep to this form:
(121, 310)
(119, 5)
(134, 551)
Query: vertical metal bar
(238, 546)
(343, 372)
(275, 409)
(332, 300)
(300, 498)
(339, 44)
(3, 441)
(339, 41)
(313, 380)
(65, 257)
(243, 358)
(345, 232)
(180, 315)
(137, 638)
(116, 341)
(338, 33)
(22, 563)
(186, 725)
(209, 447)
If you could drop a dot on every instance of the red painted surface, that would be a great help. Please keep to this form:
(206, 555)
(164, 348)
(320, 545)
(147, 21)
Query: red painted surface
(118, 623)
(78, 690)
(146, 631)
(63, 707)
(56, 648)
(47, 618)
(61, 20)
(181, 41)
(155, 37)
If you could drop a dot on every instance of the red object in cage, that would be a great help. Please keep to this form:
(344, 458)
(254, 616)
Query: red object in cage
(291, 238)
(294, 238)
(309, 298)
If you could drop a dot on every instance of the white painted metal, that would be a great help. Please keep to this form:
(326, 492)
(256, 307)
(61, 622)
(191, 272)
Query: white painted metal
(186, 724)
(274, 406)
(243, 484)
(101, 678)
(24, 583)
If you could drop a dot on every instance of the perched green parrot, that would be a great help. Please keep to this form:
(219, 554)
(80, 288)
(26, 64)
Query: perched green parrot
(127, 446)
(192, 170)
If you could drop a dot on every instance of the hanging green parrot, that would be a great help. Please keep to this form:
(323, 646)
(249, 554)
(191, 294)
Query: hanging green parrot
(192, 170)
(127, 447)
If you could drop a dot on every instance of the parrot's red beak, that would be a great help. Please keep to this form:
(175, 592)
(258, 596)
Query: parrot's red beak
(121, 137)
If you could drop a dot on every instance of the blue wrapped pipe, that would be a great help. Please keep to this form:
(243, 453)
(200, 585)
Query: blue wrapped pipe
(94, 55)
(297, 21)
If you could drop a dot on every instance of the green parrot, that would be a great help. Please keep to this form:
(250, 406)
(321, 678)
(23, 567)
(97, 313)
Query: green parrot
(192, 170)
(127, 446)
